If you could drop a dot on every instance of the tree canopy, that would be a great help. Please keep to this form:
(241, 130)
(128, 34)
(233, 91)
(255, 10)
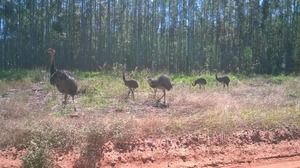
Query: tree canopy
(241, 36)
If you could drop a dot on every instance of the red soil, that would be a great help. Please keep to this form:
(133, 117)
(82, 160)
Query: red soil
(263, 149)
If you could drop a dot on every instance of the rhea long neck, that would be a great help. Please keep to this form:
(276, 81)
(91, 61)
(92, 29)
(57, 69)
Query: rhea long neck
(52, 67)
(124, 79)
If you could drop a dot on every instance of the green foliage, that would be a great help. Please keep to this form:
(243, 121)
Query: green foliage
(259, 119)
(44, 138)
(85, 75)
(247, 65)
(37, 156)
(35, 75)
(279, 79)
(38, 75)
(13, 75)
(180, 78)
(95, 137)
(121, 133)
(51, 137)
(256, 38)
(176, 126)
(216, 122)
(15, 136)
(252, 102)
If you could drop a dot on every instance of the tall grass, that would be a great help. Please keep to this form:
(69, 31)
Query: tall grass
(31, 111)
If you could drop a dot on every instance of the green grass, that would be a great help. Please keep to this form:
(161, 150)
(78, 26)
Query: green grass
(36, 75)
(37, 119)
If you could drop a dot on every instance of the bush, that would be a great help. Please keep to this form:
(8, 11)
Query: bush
(37, 156)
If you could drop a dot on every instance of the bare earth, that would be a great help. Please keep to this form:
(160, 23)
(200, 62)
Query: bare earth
(244, 149)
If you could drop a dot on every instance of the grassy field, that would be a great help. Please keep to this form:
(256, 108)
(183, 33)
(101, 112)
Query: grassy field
(32, 115)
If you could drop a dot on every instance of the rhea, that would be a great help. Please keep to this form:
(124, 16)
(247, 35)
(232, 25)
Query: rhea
(131, 84)
(163, 82)
(150, 82)
(62, 79)
(224, 80)
(201, 82)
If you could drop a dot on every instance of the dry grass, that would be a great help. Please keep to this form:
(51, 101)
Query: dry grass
(33, 109)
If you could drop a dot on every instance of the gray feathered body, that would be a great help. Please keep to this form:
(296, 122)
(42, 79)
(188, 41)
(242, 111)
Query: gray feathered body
(152, 83)
(62, 79)
(163, 82)
(130, 83)
(64, 82)
(224, 79)
(200, 81)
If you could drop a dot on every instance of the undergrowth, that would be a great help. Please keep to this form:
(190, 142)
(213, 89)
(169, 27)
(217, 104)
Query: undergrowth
(37, 119)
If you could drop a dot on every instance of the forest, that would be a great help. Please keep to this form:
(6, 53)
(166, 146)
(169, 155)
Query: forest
(237, 36)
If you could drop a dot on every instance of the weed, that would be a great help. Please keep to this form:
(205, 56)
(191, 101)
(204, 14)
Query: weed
(44, 138)
(121, 133)
(36, 119)
(95, 137)
(35, 75)
(13, 75)
(38, 75)
(52, 136)
(14, 134)
(176, 126)
(37, 156)
(152, 126)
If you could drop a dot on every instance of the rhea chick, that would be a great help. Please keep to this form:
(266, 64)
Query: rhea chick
(131, 84)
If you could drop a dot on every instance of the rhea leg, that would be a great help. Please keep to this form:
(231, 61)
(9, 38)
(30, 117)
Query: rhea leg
(128, 93)
(73, 102)
(164, 96)
(132, 91)
(155, 92)
(65, 99)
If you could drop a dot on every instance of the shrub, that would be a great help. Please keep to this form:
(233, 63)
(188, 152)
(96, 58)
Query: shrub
(37, 156)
